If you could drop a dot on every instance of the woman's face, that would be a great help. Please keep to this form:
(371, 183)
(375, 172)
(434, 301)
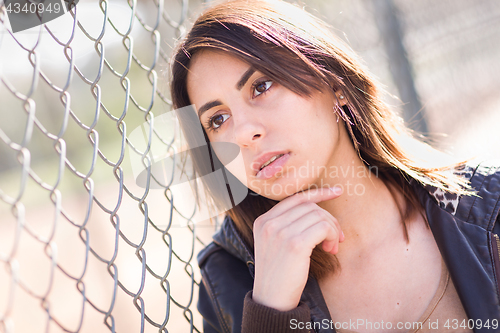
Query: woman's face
(240, 105)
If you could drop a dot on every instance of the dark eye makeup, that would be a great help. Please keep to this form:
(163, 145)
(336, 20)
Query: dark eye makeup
(258, 88)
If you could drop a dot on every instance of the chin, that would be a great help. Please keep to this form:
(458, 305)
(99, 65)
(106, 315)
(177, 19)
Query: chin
(282, 188)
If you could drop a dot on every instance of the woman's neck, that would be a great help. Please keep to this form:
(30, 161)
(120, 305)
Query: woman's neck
(367, 211)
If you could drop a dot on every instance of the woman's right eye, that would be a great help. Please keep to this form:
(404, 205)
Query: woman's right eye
(261, 87)
(216, 121)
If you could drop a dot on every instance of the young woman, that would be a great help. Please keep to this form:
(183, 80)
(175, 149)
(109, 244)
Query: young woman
(350, 225)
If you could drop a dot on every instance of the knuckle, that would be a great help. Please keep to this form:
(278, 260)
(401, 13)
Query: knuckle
(285, 234)
(324, 226)
(295, 244)
(270, 227)
(318, 213)
(308, 206)
(257, 224)
(281, 235)
(311, 205)
(299, 199)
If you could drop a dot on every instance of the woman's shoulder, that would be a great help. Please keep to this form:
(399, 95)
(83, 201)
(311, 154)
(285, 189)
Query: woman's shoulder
(217, 263)
(228, 239)
(226, 279)
(483, 206)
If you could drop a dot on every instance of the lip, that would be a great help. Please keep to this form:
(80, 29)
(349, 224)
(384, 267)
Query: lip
(263, 158)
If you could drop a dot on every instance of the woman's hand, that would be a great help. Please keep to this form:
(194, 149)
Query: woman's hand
(285, 237)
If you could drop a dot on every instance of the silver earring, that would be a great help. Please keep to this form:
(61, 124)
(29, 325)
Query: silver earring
(341, 97)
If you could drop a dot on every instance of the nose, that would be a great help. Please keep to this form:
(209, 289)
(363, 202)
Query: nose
(248, 129)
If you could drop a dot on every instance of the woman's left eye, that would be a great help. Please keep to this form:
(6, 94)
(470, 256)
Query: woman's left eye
(216, 121)
(261, 87)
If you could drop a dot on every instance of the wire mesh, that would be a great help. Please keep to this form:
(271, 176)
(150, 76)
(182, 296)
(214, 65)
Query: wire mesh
(83, 105)
(76, 226)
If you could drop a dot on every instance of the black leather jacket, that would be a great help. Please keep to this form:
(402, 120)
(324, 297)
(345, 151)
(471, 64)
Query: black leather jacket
(464, 229)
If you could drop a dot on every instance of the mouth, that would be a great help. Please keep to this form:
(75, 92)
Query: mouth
(271, 160)
(272, 165)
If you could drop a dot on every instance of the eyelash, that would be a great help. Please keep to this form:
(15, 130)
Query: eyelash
(256, 84)
(210, 122)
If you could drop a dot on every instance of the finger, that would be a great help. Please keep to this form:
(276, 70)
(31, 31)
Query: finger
(322, 232)
(332, 246)
(328, 246)
(298, 213)
(310, 218)
(338, 227)
(314, 195)
(295, 231)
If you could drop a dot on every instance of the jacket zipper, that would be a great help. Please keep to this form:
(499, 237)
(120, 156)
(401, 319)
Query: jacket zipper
(498, 244)
(496, 259)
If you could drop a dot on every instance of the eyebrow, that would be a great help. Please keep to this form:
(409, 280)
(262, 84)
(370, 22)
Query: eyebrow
(208, 106)
(244, 78)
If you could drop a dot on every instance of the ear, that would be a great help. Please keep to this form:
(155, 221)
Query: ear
(340, 98)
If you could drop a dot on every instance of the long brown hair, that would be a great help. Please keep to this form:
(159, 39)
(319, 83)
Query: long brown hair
(297, 50)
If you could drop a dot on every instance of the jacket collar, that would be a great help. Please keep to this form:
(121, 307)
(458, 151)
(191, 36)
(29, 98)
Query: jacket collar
(463, 243)
(464, 237)
(229, 239)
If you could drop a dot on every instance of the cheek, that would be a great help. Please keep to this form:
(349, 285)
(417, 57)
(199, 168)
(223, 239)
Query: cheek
(236, 166)
(318, 106)
(313, 119)
(325, 110)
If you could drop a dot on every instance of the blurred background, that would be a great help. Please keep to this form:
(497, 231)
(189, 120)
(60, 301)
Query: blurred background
(84, 108)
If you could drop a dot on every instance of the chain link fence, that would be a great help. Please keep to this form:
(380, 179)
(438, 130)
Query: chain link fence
(84, 247)
(84, 112)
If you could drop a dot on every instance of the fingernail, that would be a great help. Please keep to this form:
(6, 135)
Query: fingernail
(336, 189)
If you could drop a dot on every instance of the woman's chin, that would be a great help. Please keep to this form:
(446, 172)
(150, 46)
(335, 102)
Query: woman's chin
(279, 191)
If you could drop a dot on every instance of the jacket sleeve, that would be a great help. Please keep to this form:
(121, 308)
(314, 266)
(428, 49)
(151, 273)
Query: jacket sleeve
(225, 282)
(225, 299)
(210, 320)
(260, 318)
